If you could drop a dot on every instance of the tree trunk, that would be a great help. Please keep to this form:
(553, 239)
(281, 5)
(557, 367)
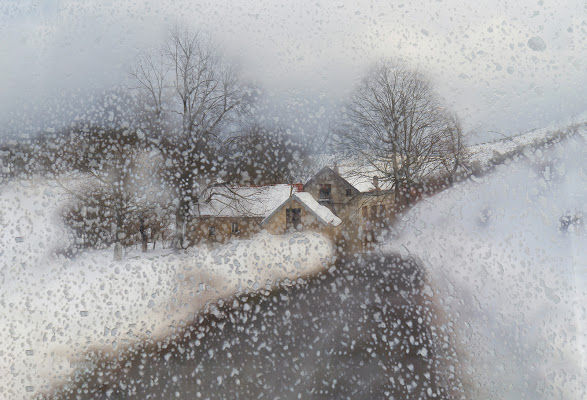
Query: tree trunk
(143, 232)
(118, 251)
(395, 166)
(119, 236)
(452, 174)
(180, 220)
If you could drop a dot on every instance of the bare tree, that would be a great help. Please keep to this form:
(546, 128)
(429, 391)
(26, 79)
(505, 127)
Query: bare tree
(457, 156)
(190, 94)
(396, 124)
(108, 193)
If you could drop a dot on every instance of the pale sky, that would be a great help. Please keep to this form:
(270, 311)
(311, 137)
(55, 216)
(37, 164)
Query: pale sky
(505, 66)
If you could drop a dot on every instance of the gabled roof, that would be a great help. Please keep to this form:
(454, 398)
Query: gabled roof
(354, 172)
(328, 170)
(322, 214)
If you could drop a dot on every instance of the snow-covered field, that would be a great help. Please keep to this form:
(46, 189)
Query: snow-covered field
(54, 310)
(509, 267)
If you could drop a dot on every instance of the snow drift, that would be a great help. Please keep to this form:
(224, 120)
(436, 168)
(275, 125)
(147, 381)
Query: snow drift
(54, 310)
(505, 254)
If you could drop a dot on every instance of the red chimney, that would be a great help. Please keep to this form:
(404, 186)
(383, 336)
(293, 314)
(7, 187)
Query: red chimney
(299, 187)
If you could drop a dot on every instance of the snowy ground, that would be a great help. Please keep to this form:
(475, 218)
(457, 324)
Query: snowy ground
(513, 283)
(55, 310)
(510, 280)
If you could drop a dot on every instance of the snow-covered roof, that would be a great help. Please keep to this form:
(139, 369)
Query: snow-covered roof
(245, 201)
(352, 170)
(361, 177)
(322, 213)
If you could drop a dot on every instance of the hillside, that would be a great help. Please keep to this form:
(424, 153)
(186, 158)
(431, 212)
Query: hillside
(506, 262)
(502, 250)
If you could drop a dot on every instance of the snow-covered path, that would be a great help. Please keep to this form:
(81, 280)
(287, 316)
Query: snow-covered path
(54, 310)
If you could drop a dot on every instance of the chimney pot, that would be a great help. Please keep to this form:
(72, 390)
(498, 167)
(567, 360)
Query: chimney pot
(376, 182)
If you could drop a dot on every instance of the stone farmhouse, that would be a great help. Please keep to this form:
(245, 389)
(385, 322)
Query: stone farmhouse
(236, 212)
(327, 203)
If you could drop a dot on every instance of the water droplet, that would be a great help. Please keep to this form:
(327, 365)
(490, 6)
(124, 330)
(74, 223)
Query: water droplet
(536, 43)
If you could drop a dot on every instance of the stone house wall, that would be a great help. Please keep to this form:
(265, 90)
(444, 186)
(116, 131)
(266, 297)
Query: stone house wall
(220, 229)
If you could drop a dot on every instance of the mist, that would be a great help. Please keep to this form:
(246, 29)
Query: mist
(504, 68)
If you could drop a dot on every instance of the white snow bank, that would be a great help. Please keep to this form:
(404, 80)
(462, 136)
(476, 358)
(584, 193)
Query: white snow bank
(509, 275)
(54, 310)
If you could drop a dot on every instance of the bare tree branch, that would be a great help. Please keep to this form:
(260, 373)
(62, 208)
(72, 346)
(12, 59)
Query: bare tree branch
(187, 84)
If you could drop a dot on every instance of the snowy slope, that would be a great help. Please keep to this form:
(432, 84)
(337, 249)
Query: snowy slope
(55, 310)
(510, 273)
(483, 153)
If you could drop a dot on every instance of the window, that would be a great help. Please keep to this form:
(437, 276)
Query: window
(349, 192)
(234, 228)
(365, 212)
(293, 218)
(325, 191)
(211, 230)
(374, 212)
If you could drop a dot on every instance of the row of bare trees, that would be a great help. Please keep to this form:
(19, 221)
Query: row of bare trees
(113, 192)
